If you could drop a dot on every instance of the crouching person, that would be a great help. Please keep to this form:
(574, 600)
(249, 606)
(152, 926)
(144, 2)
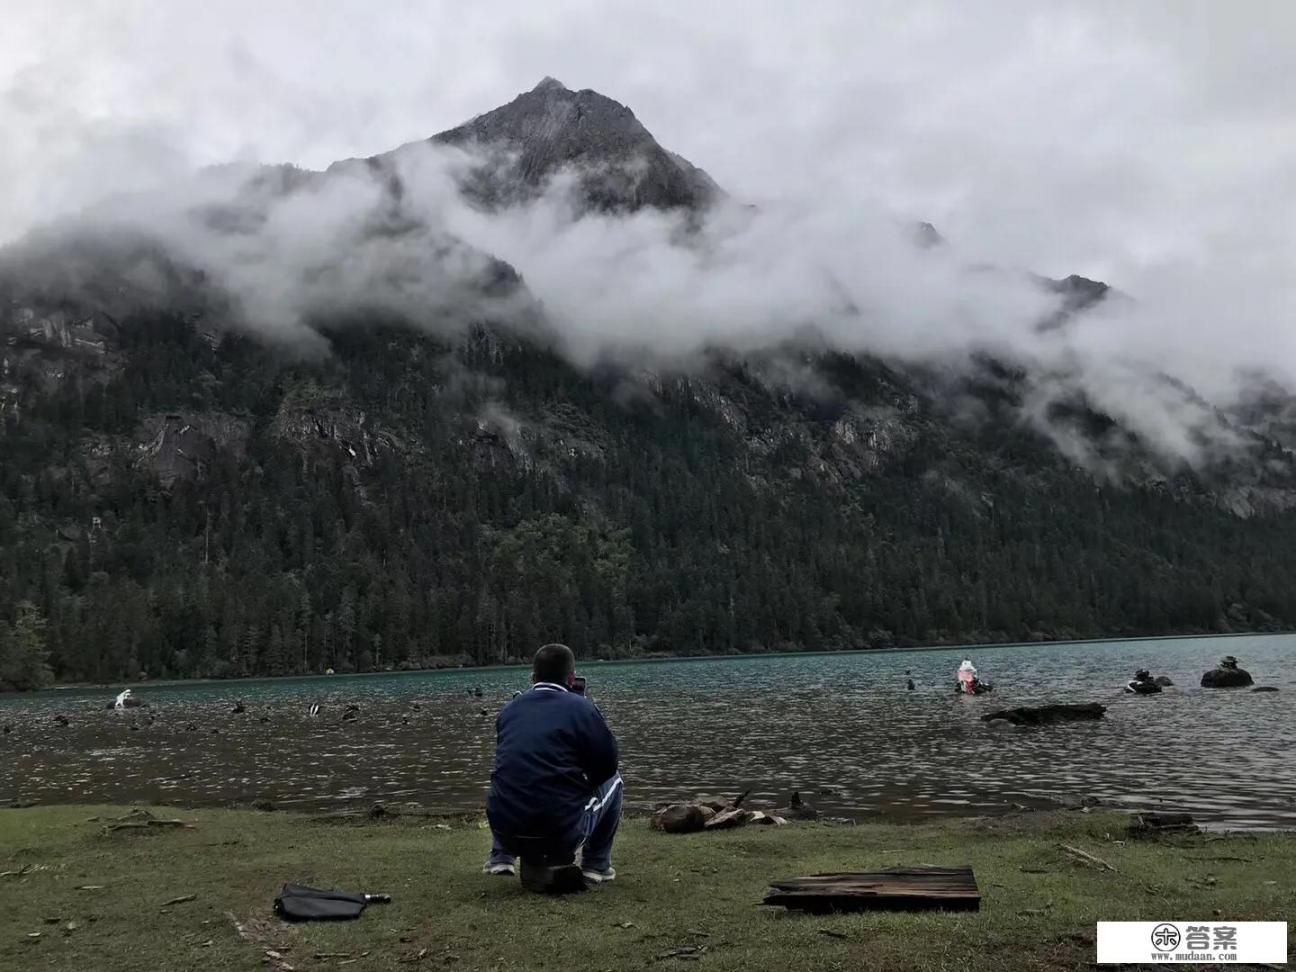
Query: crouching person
(555, 793)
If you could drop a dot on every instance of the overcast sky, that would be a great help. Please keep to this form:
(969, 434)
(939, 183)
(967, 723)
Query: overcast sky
(1149, 144)
(1086, 137)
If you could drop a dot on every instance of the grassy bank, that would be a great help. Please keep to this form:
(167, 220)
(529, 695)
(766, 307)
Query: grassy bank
(110, 894)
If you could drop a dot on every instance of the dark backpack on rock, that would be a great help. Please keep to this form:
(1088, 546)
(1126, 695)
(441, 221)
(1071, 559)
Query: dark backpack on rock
(299, 903)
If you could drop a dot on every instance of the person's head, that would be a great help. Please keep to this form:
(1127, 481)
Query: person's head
(554, 663)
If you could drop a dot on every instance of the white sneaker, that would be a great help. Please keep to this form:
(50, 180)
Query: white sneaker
(598, 877)
(500, 868)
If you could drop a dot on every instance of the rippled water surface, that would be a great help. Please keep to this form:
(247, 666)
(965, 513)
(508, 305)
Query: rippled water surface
(840, 728)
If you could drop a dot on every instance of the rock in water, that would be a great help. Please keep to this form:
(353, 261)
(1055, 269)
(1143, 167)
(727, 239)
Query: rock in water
(1049, 714)
(1163, 681)
(798, 809)
(679, 818)
(1227, 675)
(1143, 683)
(1143, 688)
(1264, 688)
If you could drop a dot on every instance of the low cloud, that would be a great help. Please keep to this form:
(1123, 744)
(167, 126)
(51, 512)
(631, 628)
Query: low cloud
(1098, 139)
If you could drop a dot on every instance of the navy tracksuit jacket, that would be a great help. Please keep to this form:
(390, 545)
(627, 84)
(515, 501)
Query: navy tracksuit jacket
(552, 750)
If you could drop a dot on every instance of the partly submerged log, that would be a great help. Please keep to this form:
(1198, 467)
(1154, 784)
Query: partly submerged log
(1048, 714)
(1162, 824)
(898, 889)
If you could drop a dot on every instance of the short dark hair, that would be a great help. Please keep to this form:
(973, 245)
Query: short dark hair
(553, 663)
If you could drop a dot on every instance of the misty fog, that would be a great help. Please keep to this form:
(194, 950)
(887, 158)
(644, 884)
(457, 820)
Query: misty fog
(1155, 150)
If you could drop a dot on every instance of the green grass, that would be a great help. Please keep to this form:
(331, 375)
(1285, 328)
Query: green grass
(672, 891)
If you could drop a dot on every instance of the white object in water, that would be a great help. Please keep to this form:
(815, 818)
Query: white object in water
(314, 709)
(121, 699)
(966, 675)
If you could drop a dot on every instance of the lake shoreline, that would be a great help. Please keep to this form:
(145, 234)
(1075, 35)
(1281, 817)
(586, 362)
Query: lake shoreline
(641, 660)
(843, 728)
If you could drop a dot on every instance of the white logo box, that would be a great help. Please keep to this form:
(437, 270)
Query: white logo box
(1202, 942)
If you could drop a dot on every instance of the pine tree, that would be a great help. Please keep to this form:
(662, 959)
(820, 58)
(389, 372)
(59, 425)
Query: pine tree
(24, 659)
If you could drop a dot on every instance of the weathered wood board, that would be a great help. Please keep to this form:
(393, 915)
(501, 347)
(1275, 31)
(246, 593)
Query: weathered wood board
(897, 889)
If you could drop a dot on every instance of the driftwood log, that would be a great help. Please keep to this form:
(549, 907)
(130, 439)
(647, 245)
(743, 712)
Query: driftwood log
(898, 889)
(709, 814)
(1048, 714)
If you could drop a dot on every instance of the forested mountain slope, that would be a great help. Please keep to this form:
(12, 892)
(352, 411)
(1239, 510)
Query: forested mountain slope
(179, 497)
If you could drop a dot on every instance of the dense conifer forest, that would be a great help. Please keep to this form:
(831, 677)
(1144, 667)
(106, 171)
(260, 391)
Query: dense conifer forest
(410, 500)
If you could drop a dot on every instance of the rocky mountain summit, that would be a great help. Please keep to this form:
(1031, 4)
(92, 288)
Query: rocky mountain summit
(550, 128)
(550, 133)
(413, 472)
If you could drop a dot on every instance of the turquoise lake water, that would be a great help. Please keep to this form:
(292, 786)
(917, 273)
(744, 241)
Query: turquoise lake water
(840, 728)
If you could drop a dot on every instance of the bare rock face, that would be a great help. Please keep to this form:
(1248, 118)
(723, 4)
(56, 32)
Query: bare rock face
(1077, 293)
(327, 418)
(179, 446)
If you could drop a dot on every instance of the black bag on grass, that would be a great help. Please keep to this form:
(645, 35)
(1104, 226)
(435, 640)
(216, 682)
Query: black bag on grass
(297, 902)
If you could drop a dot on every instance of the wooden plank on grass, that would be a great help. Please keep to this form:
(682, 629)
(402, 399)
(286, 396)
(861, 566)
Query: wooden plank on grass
(898, 889)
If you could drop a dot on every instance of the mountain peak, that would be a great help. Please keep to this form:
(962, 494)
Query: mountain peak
(550, 83)
(617, 164)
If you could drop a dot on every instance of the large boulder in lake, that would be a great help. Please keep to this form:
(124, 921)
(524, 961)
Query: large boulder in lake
(1048, 714)
(1227, 675)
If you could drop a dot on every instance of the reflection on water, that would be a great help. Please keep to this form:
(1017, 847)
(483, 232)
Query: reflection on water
(842, 729)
